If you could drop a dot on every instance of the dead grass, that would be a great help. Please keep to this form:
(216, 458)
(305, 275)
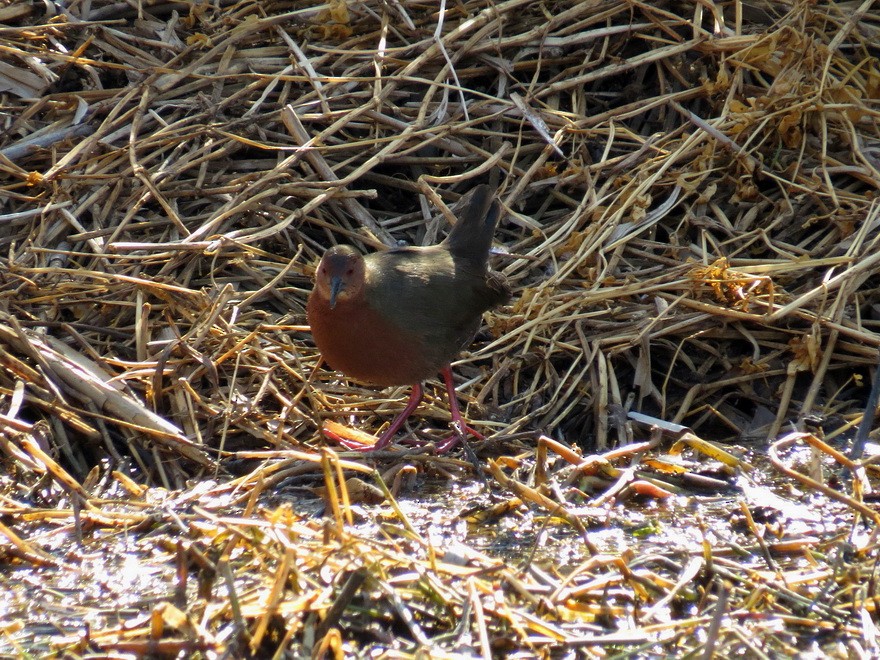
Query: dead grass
(691, 234)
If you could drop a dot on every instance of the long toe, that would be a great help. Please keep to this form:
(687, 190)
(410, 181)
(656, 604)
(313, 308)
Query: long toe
(458, 437)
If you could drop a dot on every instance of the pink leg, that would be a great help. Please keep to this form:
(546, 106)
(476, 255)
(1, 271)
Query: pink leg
(460, 429)
(415, 398)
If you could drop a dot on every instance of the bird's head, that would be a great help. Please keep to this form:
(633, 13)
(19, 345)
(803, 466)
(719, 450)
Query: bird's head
(340, 274)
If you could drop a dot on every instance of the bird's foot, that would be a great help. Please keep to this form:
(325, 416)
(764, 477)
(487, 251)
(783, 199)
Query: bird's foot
(462, 431)
(351, 438)
(361, 441)
(355, 440)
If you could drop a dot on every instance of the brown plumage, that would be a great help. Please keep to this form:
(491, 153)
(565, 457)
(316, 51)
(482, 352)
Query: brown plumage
(401, 316)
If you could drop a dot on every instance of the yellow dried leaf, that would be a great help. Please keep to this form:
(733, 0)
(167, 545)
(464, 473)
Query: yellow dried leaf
(806, 351)
(199, 39)
(872, 81)
(790, 127)
(334, 22)
(749, 366)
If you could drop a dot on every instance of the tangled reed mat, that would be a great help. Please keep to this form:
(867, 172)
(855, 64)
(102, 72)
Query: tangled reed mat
(669, 401)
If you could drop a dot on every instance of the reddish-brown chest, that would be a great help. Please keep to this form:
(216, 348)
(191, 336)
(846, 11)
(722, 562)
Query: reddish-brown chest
(364, 345)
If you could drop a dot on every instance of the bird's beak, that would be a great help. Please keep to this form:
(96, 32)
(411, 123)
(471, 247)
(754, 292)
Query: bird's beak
(337, 284)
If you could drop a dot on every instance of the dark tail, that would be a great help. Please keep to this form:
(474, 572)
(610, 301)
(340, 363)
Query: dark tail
(471, 237)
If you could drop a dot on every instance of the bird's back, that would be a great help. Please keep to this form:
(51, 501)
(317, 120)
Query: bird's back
(436, 295)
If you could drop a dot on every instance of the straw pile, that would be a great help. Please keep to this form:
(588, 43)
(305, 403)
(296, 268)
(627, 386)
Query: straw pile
(691, 234)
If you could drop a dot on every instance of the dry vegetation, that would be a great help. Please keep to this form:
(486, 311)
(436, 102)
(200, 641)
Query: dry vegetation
(691, 234)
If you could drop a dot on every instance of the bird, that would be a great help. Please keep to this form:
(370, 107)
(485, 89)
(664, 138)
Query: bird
(401, 316)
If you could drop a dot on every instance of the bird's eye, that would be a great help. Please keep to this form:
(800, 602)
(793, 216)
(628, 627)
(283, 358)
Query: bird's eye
(350, 271)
